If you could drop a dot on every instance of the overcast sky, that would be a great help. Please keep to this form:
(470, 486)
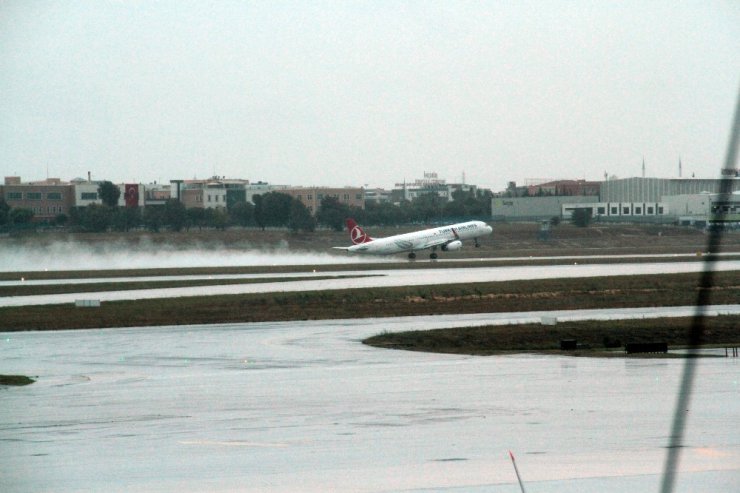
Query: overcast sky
(354, 93)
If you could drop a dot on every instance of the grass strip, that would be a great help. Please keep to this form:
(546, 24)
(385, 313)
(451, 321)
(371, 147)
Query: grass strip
(510, 296)
(15, 380)
(38, 289)
(603, 338)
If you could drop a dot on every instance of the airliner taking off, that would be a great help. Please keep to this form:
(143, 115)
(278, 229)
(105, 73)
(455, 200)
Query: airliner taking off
(446, 238)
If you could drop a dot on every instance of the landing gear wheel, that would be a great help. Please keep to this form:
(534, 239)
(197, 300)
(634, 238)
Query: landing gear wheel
(412, 256)
(433, 256)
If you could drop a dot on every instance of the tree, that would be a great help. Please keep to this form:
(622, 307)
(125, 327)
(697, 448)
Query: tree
(126, 218)
(109, 193)
(242, 213)
(195, 217)
(20, 216)
(95, 217)
(259, 211)
(384, 214)
(4, 210)
(581, 217)
(153, 218)
(216, 218)
(332, 213)
(60, 219)
(175, 216)
(428, 207)
(300, 218)
(273, 209)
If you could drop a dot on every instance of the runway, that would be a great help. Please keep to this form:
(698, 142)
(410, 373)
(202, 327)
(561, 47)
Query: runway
(303, 406)
(384, 278)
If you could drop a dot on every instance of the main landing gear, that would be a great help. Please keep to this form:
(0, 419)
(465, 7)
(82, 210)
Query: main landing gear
(412, 255)
(477, 245)
(433, 256)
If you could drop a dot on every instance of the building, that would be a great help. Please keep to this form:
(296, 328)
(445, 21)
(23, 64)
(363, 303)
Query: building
(203, 194)
(565, 187)
(635, 211)
(705, 208)
(377, 195)
(86, 192)
(47, 199)
(532, 208)
(156, 194)
(654, 189)
(429, 184)
(311, 197)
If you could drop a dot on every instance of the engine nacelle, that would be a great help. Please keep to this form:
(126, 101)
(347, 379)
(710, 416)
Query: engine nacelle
(452, 246)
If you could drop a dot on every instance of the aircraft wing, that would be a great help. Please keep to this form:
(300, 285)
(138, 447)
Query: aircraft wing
(432, 243)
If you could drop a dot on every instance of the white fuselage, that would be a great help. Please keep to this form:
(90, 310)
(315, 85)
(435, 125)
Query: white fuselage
(422, 240)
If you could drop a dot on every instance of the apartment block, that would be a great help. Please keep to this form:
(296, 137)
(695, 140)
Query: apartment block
(47, 199)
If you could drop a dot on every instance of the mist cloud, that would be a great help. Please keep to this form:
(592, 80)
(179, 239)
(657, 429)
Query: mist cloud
(84, 256)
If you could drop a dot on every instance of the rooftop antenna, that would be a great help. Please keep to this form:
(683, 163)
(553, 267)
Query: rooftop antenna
(643, 166)
(463, 177)
(679, 167)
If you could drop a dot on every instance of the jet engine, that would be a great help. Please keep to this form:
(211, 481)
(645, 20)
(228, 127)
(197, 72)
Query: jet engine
(452, 246)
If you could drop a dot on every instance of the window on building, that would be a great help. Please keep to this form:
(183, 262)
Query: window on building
(638, 210)
(209, 198)
(54, 196)
(602, 210)
(615, 211)
(89, 196)
(650, 210)
(309, 197)
(625, 210)
(660, 210)
(319, 196)
(358, 196)
(33, 195)
(14, 195)
(346, 196)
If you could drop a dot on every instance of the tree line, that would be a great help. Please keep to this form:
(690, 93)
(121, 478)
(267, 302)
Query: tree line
(269, 210)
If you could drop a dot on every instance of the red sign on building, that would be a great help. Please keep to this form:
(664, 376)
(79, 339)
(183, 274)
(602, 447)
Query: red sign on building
(131, 195)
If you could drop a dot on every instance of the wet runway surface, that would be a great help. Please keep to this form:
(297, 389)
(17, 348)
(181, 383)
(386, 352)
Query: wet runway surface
(384, 278)
(303, 406)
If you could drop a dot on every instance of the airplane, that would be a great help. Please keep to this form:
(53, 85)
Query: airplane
(446, 238)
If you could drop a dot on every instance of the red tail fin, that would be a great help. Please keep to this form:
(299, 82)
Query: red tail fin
(356, 234)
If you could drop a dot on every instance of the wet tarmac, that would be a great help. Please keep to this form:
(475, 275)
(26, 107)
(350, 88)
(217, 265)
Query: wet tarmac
(303, 406)
(385, 278)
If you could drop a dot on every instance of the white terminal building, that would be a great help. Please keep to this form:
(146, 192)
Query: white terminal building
(683, 200)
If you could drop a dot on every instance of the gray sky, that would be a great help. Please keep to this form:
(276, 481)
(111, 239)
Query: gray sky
(353, 93)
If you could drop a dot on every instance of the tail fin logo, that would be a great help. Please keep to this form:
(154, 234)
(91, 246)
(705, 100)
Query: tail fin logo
(356, 234)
